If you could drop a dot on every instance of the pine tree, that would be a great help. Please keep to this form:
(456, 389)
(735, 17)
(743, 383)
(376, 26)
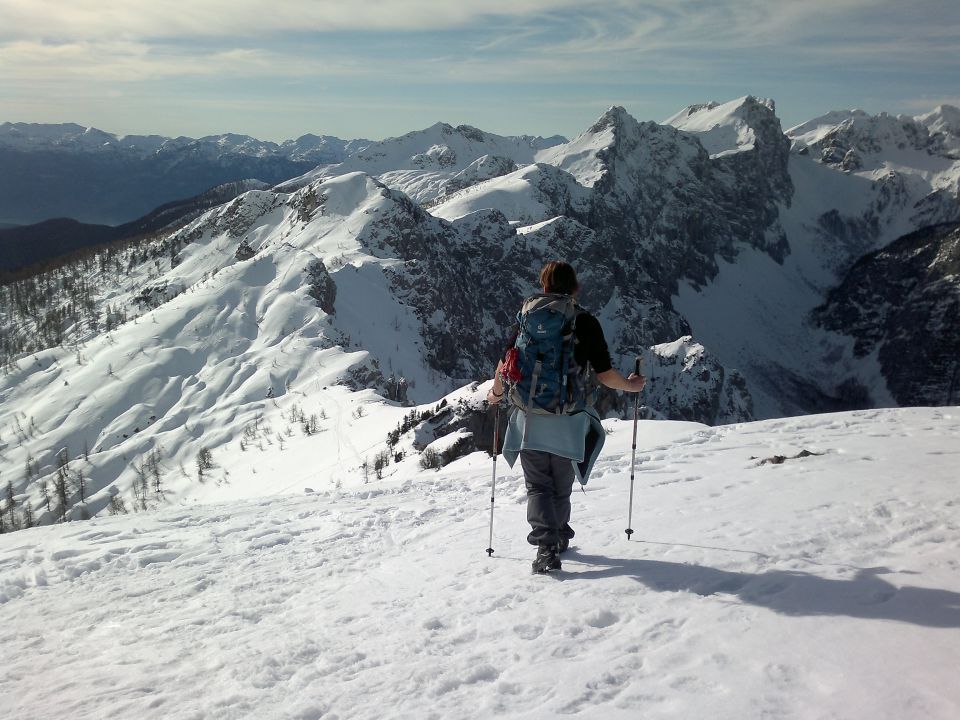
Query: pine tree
(80, 485)
(380, 461)
(60, 483)
(204, 462)
(27, 513)
(153, 465)
(117, 505)
(13, 522)
(45, 493)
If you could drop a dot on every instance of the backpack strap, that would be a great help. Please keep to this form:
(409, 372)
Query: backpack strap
(534, 379)
(571, 338)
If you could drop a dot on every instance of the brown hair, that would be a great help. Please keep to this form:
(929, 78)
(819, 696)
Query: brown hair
(559, 277)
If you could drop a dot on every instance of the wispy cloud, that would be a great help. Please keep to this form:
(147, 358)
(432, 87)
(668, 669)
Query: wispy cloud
(613, 24)
(122, 61)
(91, 19)
(500, 40)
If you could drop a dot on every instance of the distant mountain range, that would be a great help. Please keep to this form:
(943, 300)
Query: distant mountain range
(86, 174)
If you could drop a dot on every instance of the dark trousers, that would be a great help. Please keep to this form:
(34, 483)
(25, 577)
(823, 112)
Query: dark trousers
(549, 479)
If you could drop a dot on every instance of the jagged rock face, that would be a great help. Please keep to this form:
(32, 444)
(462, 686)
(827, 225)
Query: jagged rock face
(870, 135)
(446, 280)
(762, 182)
(903, 303)
(686, 383)
(322, 287)
(673, 210)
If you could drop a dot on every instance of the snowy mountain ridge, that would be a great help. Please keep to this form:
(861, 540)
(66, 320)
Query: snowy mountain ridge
(70, 137)
(427, 164)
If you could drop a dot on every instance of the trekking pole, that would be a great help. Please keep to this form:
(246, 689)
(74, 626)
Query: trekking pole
(493, 483)
(633, 455)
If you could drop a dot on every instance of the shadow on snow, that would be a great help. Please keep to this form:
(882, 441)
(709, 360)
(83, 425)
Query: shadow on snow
(865, 595)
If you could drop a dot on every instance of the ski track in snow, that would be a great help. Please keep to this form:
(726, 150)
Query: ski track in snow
(825, 587)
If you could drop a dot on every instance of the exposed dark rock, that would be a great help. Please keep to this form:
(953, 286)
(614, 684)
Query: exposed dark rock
(903, 302)
(244, 251)
(780, 459)
(686, 383)
(322, 287)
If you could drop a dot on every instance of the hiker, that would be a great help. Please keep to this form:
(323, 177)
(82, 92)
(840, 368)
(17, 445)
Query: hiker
(554, 448)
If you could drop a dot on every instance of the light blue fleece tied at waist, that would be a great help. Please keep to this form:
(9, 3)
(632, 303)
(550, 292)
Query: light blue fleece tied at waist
(579, 436)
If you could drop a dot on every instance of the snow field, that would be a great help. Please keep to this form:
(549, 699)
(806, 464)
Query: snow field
(822, 587)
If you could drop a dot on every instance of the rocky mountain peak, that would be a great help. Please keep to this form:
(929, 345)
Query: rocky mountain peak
(943, 123)
(943, 118)
(735, 126)
(615, 117)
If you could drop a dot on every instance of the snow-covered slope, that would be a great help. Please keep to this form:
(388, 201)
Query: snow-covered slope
(721, 128)
(943, 123)
(825, 586)
(532, 194)
(218, 339)
(910, 163)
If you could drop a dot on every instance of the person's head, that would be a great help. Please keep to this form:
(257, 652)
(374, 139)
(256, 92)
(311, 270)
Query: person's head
(559, 277)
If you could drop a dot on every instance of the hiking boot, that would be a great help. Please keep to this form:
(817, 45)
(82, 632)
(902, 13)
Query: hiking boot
(564, 544)
(547, 559)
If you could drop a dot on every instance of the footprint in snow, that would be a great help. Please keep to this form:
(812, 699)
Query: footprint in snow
(566, 651)
(528, 632)
(602, 619)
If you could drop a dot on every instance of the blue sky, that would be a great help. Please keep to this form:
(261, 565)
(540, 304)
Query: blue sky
(278, 69)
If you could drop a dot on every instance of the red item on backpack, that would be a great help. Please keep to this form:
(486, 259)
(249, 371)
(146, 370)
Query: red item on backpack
(510, 372)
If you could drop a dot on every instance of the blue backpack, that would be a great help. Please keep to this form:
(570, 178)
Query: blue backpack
(540, 368)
